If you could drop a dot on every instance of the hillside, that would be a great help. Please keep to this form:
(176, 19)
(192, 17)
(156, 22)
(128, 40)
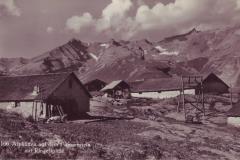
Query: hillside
(193, 52)
(142, 129)
(7, 64)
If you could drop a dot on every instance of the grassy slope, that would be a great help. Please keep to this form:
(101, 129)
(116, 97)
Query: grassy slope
(153, 134)
(15, 129)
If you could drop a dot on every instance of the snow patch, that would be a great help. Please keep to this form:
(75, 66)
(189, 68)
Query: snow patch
(234, 121)
(105, 45)
(160, 49)
(170, 53)
(164, 51)
(93, 56)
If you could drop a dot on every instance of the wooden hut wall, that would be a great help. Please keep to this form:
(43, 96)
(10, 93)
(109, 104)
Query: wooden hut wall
(26, 109)
(74, 99)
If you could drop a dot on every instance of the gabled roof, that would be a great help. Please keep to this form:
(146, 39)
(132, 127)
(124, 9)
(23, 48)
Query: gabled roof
(157, 85)
(206, 76)
(81, 84)
(112, 85)
(20, 88)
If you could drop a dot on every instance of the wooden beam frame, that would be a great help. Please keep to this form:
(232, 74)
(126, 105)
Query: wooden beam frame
(196, 80)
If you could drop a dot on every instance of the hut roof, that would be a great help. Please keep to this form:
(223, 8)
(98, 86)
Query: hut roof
(112, 85)
(206, 76)
(156, 85)
(20, 88)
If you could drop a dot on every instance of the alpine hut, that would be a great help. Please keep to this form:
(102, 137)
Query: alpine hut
(117, 89)
(212, 84)
(44, 96)
(159, 88)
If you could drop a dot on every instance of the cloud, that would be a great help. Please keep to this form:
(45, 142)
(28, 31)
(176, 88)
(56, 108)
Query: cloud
(114, 14)
(182, 15)
(50, 29)
(186, 13)
(112, 21)
(162, 19)
(9, 7)
(238, 4)
(76, 23)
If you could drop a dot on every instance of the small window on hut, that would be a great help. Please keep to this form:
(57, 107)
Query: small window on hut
(70, 83)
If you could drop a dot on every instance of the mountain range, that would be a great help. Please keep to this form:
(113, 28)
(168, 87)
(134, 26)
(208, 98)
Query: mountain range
(194, 52)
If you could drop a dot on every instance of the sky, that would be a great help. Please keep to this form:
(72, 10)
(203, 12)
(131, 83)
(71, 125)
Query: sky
(31, 27)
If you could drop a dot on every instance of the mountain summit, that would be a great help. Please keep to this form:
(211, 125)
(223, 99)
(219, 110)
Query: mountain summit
(193, 52)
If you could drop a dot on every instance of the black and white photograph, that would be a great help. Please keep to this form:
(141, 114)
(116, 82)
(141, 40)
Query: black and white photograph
(120, 79)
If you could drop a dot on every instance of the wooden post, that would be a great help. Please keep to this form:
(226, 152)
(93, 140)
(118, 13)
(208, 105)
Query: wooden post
(47, 111)
(178, 100)
(33, 110)
(198, 100)
(61, 109)
(231, 95)
(50, 110)
(36, 111)
(183, 98)
(51, 113)
(43, 109)
(58, 108)
(202, 90)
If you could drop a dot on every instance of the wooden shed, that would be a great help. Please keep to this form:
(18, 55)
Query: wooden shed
(212, 84)
(117, 89)
(44, 95)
